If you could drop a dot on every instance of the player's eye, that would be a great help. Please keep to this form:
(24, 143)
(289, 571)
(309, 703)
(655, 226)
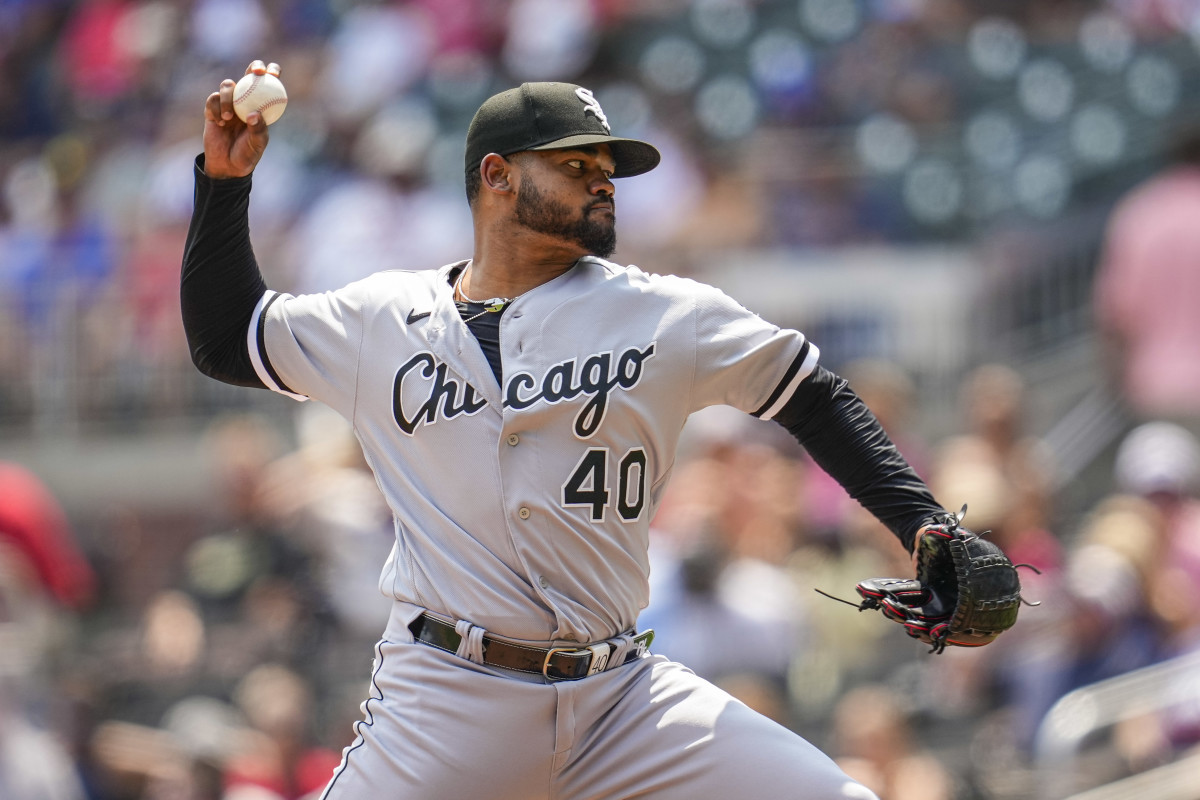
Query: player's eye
(575, 163)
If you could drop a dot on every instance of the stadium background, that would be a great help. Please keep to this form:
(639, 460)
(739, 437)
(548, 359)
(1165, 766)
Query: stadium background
(922, 186)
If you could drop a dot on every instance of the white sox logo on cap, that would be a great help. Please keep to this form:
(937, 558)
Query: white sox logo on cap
(593, 105)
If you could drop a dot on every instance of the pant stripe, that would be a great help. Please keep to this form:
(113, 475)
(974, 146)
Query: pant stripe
(367, 721)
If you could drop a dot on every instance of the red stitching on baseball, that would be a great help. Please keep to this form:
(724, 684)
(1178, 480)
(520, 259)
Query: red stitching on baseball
(249, 89)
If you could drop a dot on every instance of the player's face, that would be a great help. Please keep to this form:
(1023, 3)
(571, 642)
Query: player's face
(568, 194)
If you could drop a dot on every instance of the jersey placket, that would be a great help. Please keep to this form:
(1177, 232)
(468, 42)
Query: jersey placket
(517, 456)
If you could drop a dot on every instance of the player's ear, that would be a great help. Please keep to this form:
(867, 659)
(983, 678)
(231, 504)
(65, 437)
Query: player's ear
(497, 173)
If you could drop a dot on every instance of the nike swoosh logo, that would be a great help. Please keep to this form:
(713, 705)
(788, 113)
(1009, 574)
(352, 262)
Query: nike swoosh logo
(413, 316)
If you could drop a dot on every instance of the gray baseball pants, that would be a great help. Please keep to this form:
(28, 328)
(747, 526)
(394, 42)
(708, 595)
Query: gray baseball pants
(439, 727)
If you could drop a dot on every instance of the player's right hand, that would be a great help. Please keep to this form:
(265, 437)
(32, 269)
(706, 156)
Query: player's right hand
(232, 148)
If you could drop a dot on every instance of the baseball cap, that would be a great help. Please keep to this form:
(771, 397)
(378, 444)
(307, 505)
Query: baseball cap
(551, 116)
(1158, 457)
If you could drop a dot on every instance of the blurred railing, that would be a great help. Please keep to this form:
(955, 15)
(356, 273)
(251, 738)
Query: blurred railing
(1074, 721)
(1038, 286)
(1177, 781)
(88, 368)
(1035, 312)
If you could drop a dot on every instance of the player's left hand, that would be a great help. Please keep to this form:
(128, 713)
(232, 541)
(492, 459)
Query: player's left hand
(232, 148)
(966, 591)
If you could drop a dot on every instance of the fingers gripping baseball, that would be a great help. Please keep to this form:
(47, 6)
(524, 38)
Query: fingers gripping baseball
(233, 147)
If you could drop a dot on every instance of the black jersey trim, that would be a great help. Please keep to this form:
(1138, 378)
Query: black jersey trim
(260, 339)
(787, 381)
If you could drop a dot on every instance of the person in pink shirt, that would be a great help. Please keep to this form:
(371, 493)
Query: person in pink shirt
(1147, 299)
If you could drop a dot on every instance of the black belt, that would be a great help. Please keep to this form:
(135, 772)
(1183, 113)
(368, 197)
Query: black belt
(555, 663)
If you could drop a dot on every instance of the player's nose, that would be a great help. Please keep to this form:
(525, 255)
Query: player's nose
(603, 185)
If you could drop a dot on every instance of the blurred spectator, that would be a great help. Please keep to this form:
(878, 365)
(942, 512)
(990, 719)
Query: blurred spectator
(278, 703)
(1148, 289)
(325, 495)
(253, 579)
(845, 647)
(994, 405)
(384, 215)
(33, 522)
(213, 35)
(204, 748)
(392, 43)
(1132, 601)
(1160, 461)
(549, 39)
(99, 64)
(241, 446)
(708, 607)
(43, 578)
(876, 745)
(182, 758)
(1111, 572)
(720, 595)
(61, 253)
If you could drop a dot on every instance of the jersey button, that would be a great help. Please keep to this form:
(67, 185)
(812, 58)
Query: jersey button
(542, 582)
(523, 512)
(513, 439)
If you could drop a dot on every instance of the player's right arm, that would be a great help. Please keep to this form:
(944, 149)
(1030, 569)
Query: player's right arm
(220, 284)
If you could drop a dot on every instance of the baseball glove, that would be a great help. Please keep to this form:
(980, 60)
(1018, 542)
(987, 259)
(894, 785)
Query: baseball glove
(966, 591)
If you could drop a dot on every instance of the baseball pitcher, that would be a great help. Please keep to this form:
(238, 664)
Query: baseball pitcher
(520, 410)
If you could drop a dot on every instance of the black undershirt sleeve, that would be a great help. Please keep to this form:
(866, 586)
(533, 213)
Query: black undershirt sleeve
(846, 440)
(220, 283)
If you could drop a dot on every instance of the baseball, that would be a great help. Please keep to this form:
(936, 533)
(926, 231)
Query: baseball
(262, 93)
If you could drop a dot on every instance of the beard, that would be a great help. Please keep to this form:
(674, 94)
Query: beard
(539, 213)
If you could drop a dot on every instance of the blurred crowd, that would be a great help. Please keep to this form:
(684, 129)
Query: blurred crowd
(223, 655)
(784, 123)
(230, 661)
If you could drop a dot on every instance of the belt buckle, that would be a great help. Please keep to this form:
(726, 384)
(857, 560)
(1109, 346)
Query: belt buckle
(599, 654)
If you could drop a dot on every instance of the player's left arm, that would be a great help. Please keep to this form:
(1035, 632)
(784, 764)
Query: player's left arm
(774, 373)
(846, 440)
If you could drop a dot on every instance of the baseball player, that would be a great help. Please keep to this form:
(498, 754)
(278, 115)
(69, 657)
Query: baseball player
(521, 411)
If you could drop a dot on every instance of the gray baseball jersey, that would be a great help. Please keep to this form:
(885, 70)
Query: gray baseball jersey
(525, 507)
